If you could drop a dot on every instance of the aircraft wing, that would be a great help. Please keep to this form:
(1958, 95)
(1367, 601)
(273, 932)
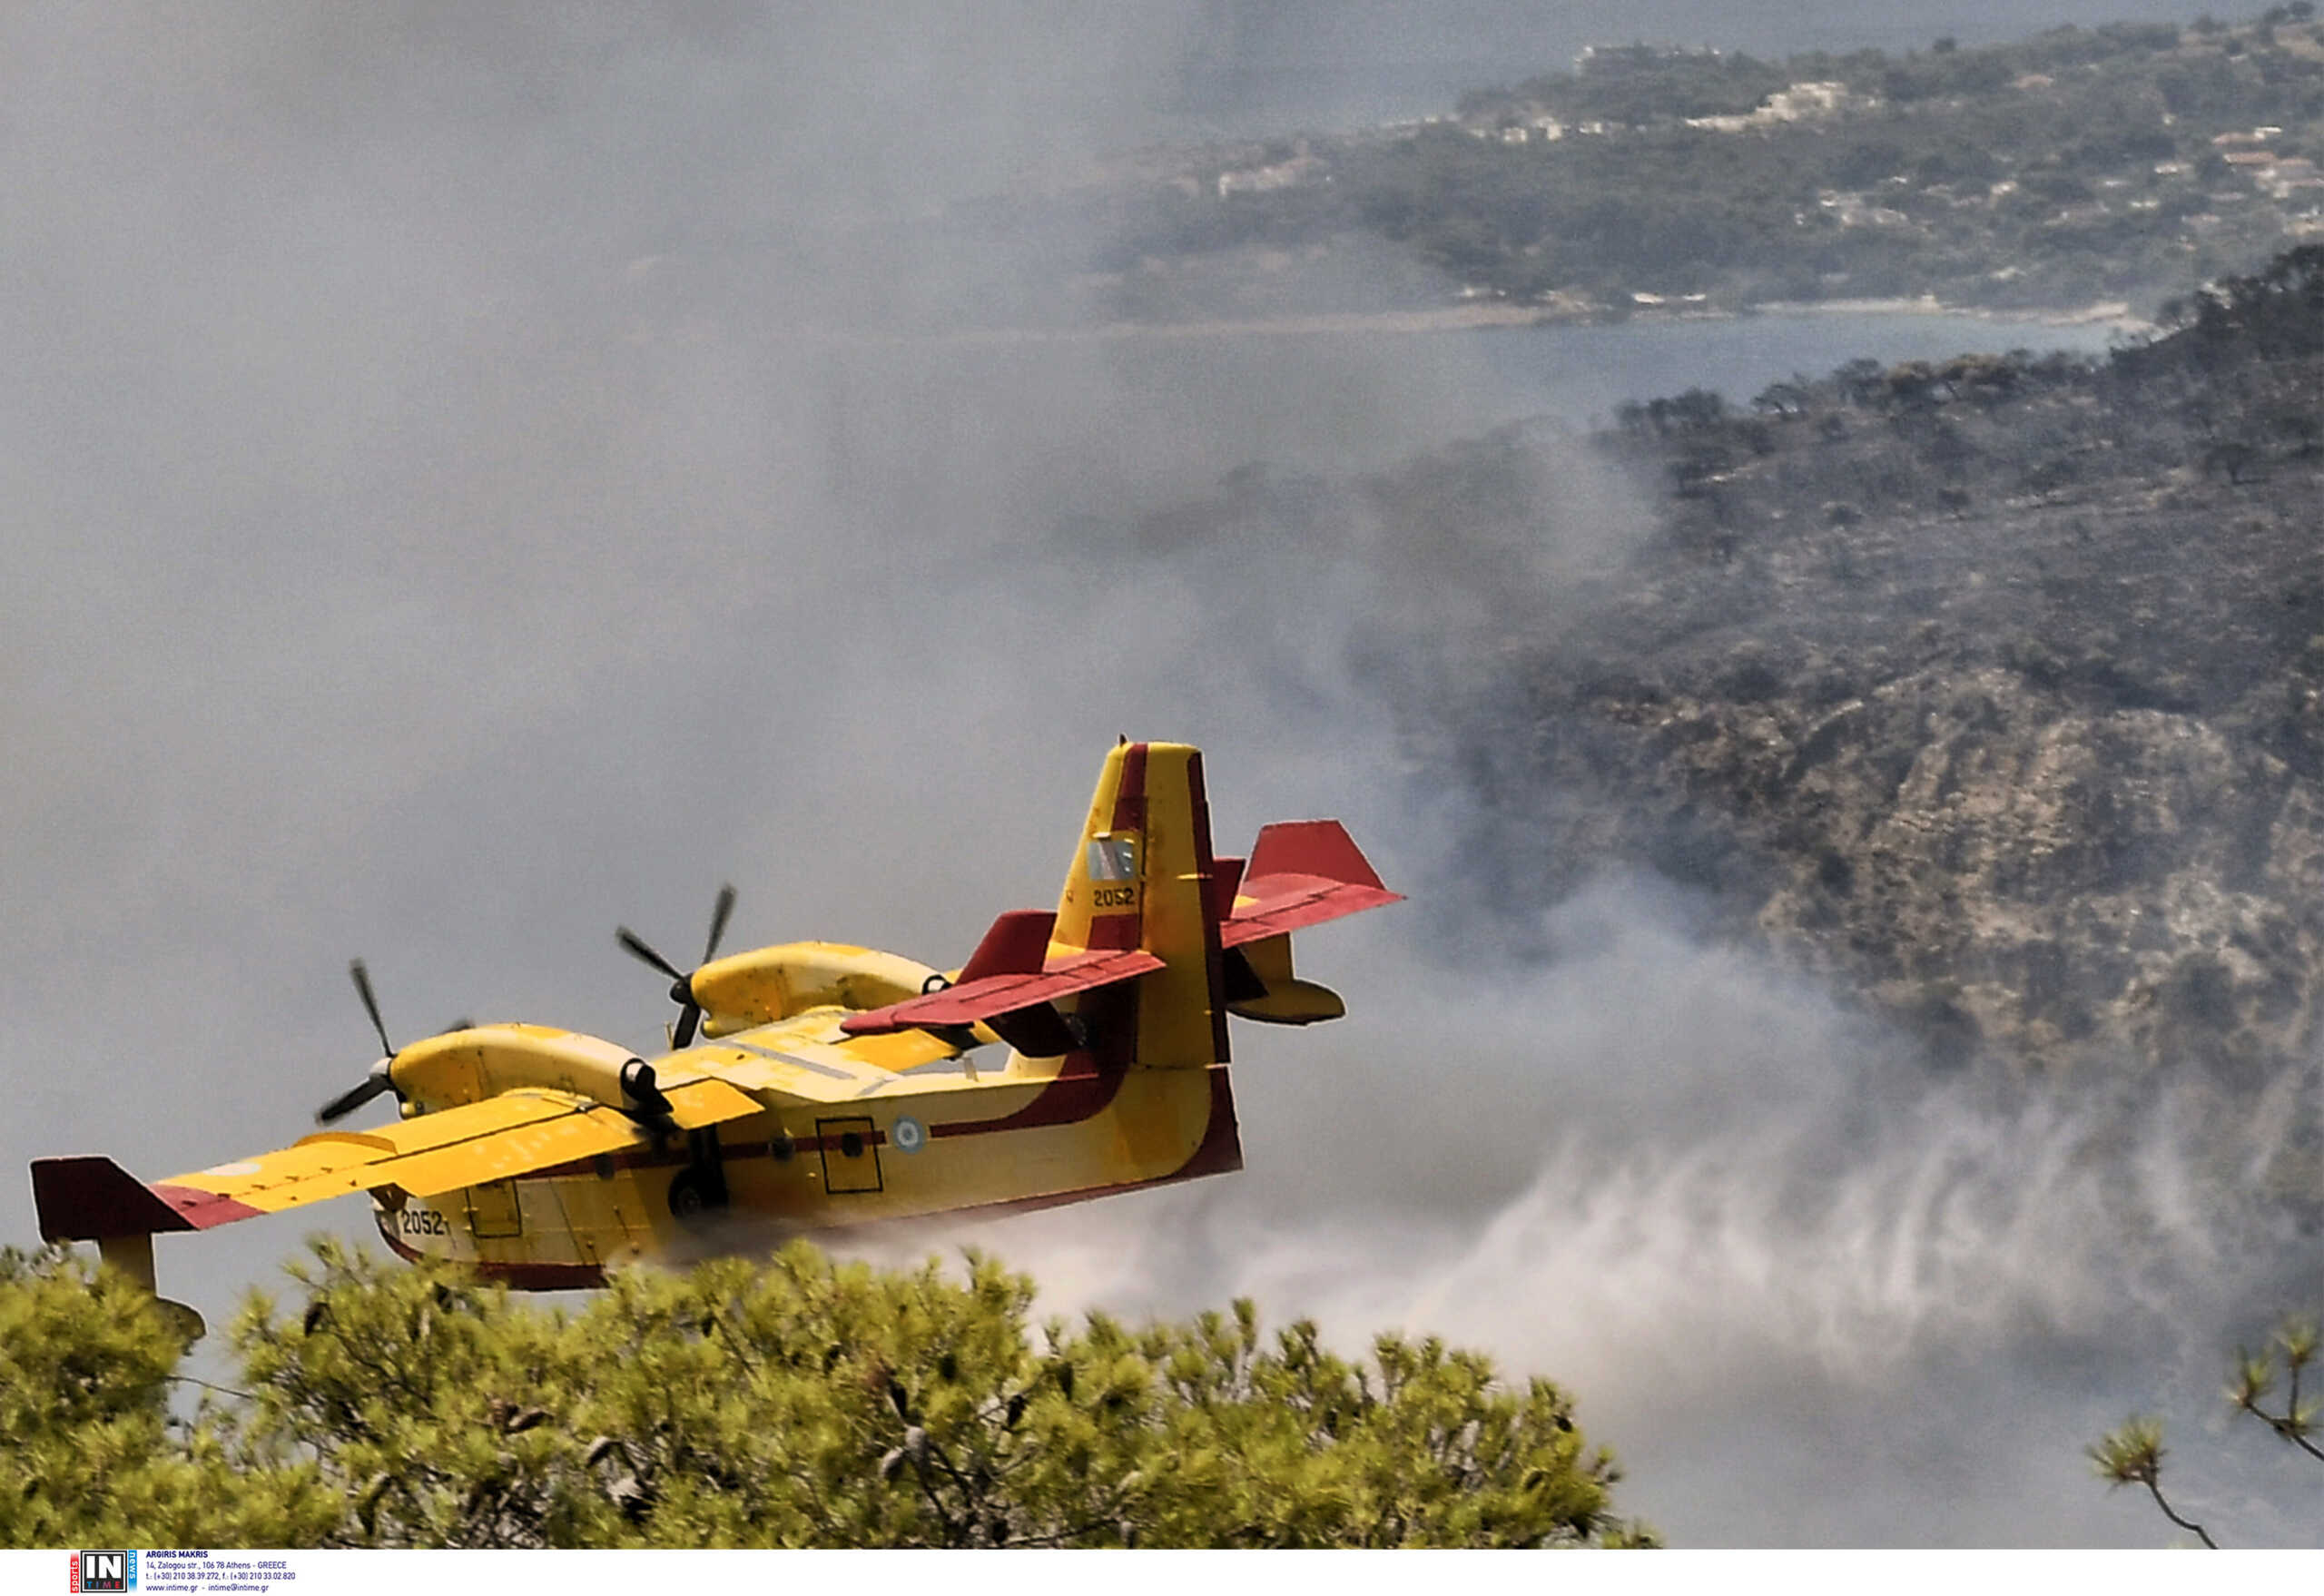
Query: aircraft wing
(1300, 872)
(513, 1133)
(807, 1057)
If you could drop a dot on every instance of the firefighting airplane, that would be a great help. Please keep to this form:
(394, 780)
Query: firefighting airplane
(835, 1085)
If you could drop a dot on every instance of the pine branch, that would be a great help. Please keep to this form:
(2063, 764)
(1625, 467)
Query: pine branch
(2155, 1490)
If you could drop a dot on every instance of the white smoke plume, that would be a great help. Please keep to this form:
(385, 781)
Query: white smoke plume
(472, 479)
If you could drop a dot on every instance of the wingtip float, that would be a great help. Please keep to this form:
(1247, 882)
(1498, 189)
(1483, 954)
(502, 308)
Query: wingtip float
(830, 1086)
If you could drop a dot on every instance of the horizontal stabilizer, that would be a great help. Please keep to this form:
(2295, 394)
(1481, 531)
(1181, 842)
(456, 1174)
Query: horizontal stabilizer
(986, 997)
(1299, 873)
(1302, 872)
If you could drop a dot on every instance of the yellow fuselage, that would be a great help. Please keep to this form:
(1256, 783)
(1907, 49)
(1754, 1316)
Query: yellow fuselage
(1075, 1054)
(843, 1140)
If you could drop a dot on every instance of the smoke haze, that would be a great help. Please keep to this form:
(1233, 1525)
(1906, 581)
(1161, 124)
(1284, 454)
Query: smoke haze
(467, 481)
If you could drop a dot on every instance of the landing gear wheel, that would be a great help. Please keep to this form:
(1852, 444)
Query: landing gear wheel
(688, 1200)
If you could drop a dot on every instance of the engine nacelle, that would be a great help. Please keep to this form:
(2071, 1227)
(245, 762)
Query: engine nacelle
(768, 984)
(468, 1066)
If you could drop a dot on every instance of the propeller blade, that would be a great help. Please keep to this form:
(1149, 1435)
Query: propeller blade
(718, 917)
(638, 948)
(354, 1097)
(682, 981)
(462, 1023)
(371, 1004)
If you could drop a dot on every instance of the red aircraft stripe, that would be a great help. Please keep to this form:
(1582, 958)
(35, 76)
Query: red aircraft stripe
(1206, 870)
(1220, 1152)
(203, 1209)
(1081, 1090)
(518, 1276)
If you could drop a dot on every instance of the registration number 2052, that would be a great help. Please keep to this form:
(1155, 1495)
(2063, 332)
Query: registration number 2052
(421, 1222)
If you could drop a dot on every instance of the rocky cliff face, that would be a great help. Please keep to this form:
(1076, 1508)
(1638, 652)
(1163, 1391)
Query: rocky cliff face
(2005, 866)
(1995, 694)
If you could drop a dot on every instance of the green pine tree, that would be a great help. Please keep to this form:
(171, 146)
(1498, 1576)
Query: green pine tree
(797, 1402)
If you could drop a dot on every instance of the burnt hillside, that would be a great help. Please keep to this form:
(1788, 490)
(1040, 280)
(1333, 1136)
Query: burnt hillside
(1994, 689)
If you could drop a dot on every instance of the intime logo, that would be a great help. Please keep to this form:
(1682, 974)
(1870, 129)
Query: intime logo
(105, 1570)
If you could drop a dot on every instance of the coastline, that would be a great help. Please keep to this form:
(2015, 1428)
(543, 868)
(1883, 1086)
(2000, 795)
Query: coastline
(1498, 317)
(2098, 313)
